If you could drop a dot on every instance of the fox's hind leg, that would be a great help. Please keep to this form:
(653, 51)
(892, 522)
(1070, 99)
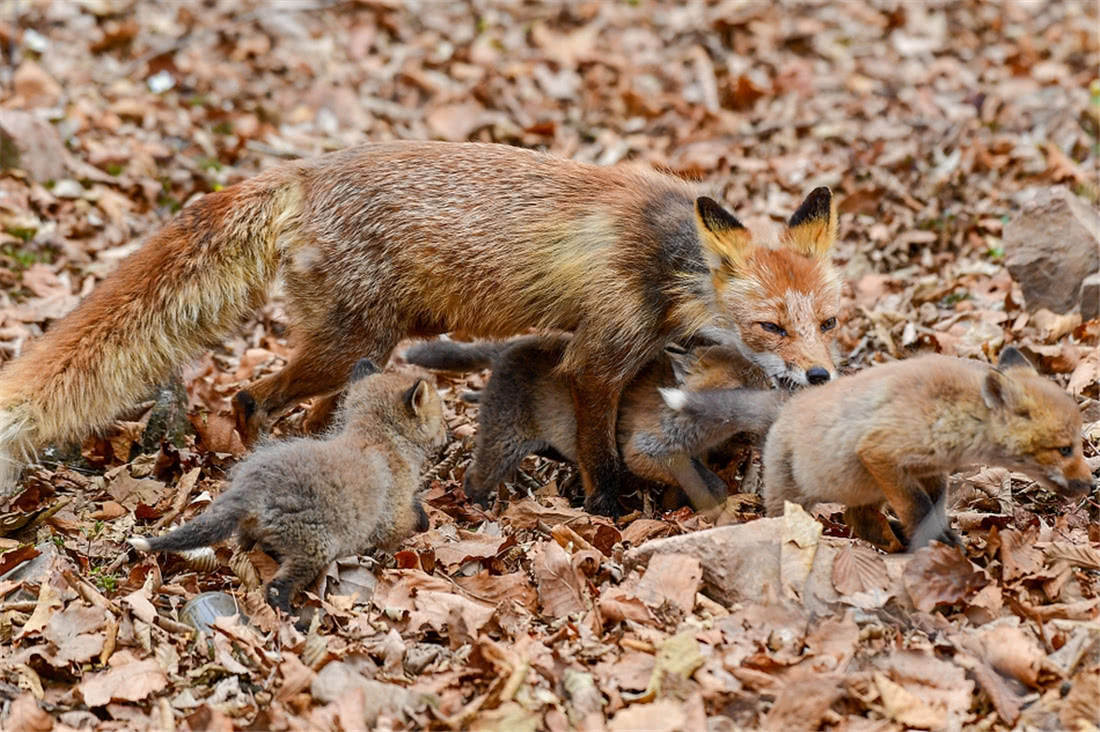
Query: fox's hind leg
(319, 366)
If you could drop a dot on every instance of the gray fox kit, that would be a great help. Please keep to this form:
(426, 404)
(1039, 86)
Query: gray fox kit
(892, 433)
(526, 408)
(309, 501)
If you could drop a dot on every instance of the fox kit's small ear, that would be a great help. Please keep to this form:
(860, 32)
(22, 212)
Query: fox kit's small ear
(417, 396)
(682, 361)
(999, 392)
(1012, 358)
(363, 368)
(725, 239)
(811, 229)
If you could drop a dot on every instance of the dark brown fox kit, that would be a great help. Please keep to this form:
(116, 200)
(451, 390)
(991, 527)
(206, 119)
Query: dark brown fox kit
(309, 501)
(526, 408)
(387, 240)
(892, 433)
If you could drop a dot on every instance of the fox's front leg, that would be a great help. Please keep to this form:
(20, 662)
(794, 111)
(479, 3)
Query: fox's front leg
(596, 404)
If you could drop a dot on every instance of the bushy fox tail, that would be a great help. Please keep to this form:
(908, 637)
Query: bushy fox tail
(192, 281)
(448, 355)
(215, 524)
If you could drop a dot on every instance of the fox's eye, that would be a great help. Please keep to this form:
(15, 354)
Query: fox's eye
(828, 324)
(1066, 451)
(774, 328)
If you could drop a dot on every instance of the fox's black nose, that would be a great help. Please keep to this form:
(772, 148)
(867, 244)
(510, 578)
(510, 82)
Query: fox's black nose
(817, 375)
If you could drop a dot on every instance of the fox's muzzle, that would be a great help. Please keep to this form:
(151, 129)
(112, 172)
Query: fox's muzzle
(1079, 488)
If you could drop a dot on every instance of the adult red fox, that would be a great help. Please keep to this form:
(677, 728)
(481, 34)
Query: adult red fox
(383, 241)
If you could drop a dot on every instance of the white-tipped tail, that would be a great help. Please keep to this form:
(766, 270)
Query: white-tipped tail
(140, 543)
(674, 398)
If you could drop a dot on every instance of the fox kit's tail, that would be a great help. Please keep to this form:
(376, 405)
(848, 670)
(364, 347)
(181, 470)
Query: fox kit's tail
(727, 410)
(192, 281)
(216, 523)
(448, 355)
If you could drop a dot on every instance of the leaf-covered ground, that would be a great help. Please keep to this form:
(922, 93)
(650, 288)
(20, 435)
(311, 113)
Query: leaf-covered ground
(930, 121)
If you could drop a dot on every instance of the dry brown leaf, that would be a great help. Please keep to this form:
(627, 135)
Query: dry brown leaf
(674, 578)
(132, 682)
(562, 588)
(1019, 556)
(940, 575)
(1012, 652)
(1081, 707)
(906, 707)
(74, 631)
(1078, 555)
(859, 569)
(26, 716)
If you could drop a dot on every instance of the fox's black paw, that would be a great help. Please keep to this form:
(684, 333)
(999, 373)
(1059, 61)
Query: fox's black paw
(603, 504)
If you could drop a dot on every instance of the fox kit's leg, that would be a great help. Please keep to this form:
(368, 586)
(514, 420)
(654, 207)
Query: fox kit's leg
(703, 495)
(870, 524)
(935, 526)
(596, 404)
(779, 483)
(903, 492)
(296, 571)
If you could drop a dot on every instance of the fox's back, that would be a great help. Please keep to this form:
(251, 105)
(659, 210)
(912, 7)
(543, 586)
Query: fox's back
(485, 236)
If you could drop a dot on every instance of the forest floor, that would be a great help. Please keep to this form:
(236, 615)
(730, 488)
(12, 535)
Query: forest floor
(933, 123)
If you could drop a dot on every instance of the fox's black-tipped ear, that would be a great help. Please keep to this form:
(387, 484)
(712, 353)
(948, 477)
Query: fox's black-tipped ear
(811, 229)
(725, 239)
(715, 218)
(1013, 358)
(417, 396)
(363, 368)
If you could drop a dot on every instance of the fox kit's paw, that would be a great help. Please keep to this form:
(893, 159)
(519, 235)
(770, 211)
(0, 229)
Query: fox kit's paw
(278, 596)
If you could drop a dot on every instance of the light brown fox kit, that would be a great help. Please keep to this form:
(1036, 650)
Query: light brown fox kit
(892, 433)
(382, 241)
(526, 408)
(309, 501)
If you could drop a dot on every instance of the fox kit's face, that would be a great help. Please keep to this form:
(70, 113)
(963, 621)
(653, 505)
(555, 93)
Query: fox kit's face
(406, 399)
(1037, 426)
(777, 306)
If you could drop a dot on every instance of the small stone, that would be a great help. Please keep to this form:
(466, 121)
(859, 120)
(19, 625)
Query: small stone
(34, 87)
(68, 188)
(1090, 297)
(1051, 247)
(740, 562)
(31, 145)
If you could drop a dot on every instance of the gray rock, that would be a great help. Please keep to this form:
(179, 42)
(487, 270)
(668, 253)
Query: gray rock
(31, 145)
(740, 562)
(1090, 297)
(1051, 247)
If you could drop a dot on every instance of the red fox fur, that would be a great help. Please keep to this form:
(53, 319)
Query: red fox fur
(382, 241)
(892, 434)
